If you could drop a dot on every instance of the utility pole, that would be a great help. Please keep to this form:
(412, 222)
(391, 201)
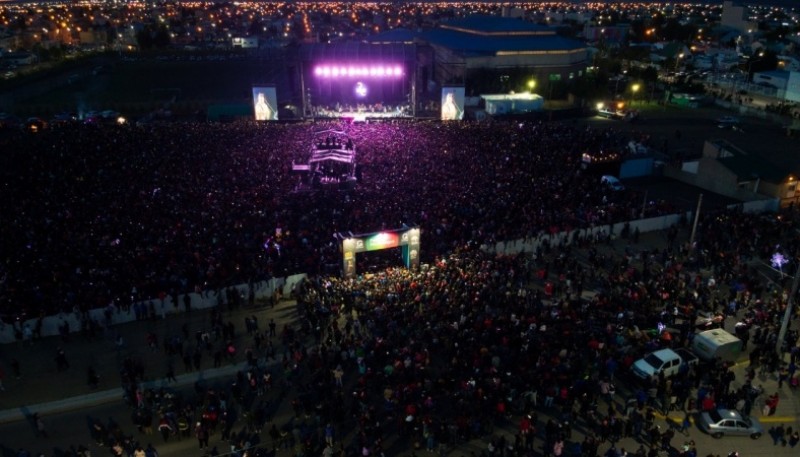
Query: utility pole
(787, 315)
(644, 204)
(696, 220)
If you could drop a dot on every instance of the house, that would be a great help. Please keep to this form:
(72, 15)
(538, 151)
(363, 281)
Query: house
(248, 42)
(727, 170)
(786, 83)
(19, 58)
(734, 15)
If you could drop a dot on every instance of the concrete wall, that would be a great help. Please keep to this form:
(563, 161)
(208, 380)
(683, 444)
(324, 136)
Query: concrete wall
(50, 324)
(713, 178)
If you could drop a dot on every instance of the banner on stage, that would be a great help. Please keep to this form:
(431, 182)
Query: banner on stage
(265, 103)
(452, 103)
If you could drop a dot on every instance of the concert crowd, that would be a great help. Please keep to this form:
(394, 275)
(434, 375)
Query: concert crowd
(94, 216)
(469, 345)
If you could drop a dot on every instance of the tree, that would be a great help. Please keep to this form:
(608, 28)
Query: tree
(161, 37)
(150, 37)
(144, 39)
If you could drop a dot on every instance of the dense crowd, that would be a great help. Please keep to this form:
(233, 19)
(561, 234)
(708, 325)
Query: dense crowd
(468, 345)
(443, 355)
(100, 215)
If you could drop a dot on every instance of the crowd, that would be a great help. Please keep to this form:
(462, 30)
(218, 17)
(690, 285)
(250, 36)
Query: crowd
(97, 215)
(474, 346)
(443, 355)
(469, 345)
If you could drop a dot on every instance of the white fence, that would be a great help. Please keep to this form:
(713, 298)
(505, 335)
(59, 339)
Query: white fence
(644, 225)
(265, 289)
(163, 308)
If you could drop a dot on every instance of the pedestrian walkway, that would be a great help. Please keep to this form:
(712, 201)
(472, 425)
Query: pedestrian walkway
(42, 388)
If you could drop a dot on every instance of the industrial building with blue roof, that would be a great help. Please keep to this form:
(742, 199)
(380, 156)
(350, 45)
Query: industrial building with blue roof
(494, 43)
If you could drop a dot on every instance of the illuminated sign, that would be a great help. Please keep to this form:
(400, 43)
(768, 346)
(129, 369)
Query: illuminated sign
(382, 240)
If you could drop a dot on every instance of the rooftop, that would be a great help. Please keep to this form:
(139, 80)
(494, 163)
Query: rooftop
(473, 44)
(482, 24)
(748, 167)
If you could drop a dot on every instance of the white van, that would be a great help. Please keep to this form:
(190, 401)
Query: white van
(710, 344)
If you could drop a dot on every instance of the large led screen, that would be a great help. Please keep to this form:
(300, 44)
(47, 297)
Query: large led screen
(265, 103)
(452, 103)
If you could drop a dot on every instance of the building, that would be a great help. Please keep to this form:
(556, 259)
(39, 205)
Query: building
(500, 104)
(248, 42)
(607, 35)
(786, 83)
(734, 16)
(464, 47)
(495, 54)
(727, 170)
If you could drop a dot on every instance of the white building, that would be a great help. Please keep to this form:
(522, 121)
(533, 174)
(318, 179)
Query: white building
(248, 42)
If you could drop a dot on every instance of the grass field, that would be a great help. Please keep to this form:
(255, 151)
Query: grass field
(139, 86)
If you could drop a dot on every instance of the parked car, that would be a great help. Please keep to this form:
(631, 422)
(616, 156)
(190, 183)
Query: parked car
(721, 422)
(728, 122)
(667, 361)
(610, 113)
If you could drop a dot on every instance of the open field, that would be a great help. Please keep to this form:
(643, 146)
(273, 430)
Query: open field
(139, 86)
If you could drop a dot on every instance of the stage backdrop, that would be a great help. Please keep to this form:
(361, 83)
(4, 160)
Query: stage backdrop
(452, 103)
(265, 103)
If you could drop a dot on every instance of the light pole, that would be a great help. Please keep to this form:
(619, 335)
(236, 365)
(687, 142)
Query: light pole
(696, 220)
(749, 78)
(531, 85)
(634, 89)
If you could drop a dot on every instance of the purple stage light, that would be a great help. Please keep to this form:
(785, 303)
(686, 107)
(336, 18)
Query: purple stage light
(358, 71)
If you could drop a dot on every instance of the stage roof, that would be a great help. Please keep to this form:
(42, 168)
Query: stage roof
(399, 35)
(358, 51)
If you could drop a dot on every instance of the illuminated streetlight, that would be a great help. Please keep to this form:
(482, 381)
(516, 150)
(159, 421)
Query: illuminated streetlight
(531, 85)
(634, 88)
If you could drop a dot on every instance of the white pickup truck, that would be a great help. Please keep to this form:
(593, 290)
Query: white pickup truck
(665, 361)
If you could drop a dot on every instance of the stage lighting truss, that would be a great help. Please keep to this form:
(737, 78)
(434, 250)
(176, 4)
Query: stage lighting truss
(358, 71)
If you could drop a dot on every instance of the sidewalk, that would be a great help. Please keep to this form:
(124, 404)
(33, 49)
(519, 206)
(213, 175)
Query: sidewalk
(41, 388)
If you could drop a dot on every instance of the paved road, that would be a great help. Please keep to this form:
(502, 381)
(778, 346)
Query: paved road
(679, 131)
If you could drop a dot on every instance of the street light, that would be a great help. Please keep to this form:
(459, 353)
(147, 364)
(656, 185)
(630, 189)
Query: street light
(531, 85)
(634, 89)
(678, 61)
